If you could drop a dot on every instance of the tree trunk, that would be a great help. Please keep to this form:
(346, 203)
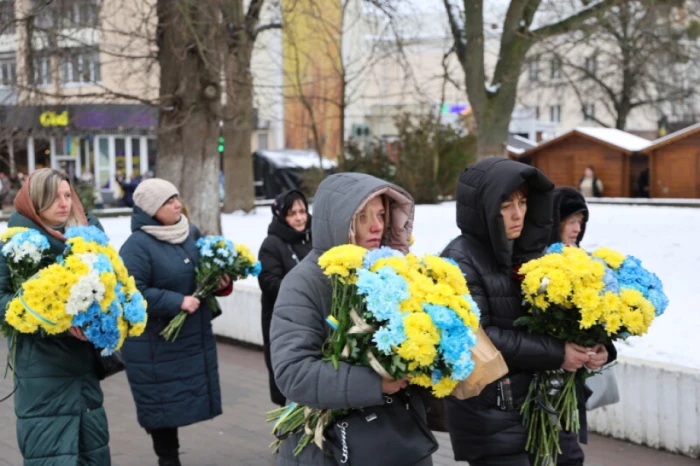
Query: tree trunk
(490, 143)
(492, 121)
(238, 130)
(190, 68)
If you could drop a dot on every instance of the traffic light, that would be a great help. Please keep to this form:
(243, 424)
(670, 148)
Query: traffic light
(221, 144)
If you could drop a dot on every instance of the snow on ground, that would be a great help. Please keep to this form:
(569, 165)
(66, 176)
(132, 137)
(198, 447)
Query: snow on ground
(665, 238)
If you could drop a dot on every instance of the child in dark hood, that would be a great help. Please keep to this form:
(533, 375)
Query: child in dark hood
(504, 210)
(287, 243)
(570, 215)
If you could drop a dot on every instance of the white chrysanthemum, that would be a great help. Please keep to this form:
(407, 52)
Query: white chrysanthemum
(89, 258)
(87, 289)
(19, 251)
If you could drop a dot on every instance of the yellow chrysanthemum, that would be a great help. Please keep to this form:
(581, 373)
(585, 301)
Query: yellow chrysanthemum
(636, 312)
(613, 323)
(446, 273)
(400, 265)
(243, 251)
(423, 354)
(422, 380)
(613, 258)
(444, 387)
(10, 232)
(342, 260)
(137, 329)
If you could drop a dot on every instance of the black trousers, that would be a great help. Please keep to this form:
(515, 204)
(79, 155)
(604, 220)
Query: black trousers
(275, 394)
(166, 443)
(571, 451)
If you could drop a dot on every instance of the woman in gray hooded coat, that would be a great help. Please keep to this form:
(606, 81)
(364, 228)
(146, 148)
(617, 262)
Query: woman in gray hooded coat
(349, 208)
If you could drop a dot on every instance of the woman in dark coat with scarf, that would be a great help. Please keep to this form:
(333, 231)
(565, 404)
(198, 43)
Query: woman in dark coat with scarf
(570, 215)
(288, 242)
(504, 211)
(174, 384)
(58, 399)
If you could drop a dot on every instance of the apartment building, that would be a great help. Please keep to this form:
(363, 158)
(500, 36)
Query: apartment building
(76, 79)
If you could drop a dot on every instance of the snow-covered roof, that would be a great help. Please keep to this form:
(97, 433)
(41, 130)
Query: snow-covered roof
(519, 143)
(294, 158)
(514, 150)
(611, 137)
(680, 134)
(617, 138)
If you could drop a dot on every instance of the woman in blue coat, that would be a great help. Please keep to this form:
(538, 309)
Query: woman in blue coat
(174, 384)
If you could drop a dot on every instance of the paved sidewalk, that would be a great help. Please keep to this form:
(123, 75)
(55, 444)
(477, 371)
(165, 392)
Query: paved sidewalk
(241, 437)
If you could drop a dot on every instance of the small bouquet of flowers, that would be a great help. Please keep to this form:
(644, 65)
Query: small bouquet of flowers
(25, 251)
(587, 299)
(88, 287)
(398, 314)
(217, 257)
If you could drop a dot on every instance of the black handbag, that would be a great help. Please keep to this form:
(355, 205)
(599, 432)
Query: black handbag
(394, 433)
(106, 366)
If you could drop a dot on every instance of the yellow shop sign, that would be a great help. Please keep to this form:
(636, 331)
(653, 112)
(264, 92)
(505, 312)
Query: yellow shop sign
(54, 119)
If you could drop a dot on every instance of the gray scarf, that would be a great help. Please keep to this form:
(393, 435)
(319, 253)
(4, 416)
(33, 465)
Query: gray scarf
(173, 234)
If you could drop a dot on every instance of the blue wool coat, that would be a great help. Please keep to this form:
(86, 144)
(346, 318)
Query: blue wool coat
(174, 384)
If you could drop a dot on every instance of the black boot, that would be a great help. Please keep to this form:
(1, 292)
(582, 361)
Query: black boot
(166, 446)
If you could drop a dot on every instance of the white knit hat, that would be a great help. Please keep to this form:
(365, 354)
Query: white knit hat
(151, 194)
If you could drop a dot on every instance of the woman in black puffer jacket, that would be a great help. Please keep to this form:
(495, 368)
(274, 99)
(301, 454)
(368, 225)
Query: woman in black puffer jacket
(504, 210)
(288, 242)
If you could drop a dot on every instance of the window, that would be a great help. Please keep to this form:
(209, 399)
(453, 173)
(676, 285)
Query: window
(79, 13)
(67, 14)
(556, 69)
(8, 72)
(262, 141)
(591, 65)
(42, 71)
(555, 113)
(533, 70)
(589, 112)
(7, 17)
(81, 67)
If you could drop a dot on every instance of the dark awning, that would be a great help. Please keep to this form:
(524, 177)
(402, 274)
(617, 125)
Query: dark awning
(80, 119)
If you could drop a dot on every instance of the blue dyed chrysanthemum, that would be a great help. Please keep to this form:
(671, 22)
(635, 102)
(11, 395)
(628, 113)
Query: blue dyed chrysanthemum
(89, 233)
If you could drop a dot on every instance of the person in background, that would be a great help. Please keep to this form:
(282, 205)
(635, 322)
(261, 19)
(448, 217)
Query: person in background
(5, 191)
(174, 384)
(128, 188)
(643, 184)
(58, 398)
(590, 185)
(288, 242)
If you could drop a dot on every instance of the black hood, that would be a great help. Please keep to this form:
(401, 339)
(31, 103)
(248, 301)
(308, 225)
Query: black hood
(481, 189)
(567, 201)
(285, 201)
(288, 234)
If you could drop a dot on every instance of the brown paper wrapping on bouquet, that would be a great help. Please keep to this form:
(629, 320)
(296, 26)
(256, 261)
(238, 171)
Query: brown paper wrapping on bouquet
(489, 366)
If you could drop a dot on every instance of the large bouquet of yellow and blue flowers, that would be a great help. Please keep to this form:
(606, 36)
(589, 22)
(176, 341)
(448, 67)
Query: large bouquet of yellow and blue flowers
(88, 287)
(217, 256)
(398, 314)
(587, 299)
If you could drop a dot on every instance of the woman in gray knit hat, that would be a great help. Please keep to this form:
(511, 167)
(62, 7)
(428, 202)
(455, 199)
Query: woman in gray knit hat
(174, 384)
